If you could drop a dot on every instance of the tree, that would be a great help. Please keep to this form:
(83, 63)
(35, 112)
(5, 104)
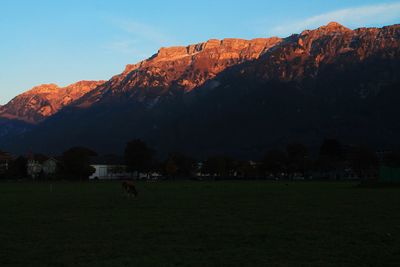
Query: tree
(275, 162)
(138, 157)
(331, 149)
(76, 162)
(298, 161)
(219, 166)
(392, 159)
(331, 157)
(18, 168)
(246, 169)
(170, 168)
(364, 162)
(180, 165)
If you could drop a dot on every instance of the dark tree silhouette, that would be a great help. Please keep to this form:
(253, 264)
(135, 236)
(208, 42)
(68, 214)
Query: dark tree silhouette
(331, 158)
(392, 159)
(298, 160)
(331, 149)
(138, 157)
(219, 166)
(170, 168)
(275, 162)
(364, 162)
(76, 163)
(180, 165)
(17, 168)
(246, 169)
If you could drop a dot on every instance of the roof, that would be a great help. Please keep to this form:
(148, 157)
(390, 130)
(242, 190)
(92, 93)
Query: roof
(5, 156)
(107, 160)
(39, 158)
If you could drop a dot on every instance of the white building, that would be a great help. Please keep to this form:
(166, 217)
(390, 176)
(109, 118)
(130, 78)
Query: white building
(5, 159)
(111, 167)
(38, 165)
(49, 166)
(34, 168)
(118, 172)
(109, 172)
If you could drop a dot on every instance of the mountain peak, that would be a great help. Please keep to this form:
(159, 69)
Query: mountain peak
(172, 52)
(43, 88)
(331, 27)
(227, 44)
(334, 26)
(45, 100)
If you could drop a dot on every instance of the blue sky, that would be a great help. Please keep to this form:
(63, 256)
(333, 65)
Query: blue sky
(63, 41)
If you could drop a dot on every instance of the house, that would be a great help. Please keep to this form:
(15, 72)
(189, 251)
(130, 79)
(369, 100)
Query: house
(108, 167)
(33, 168)
(49, 167)
(111, 167)
(109, 172)
(5, 159)
(41, 165)
(118, 172)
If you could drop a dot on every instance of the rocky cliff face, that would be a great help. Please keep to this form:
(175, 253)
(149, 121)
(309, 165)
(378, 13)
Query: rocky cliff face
(307, 54)
(177, 70)
(44, 101)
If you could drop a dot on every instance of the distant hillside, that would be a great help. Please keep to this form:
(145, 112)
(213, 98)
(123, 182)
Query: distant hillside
(44, 100)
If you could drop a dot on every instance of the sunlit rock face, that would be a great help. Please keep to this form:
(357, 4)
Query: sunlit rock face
(305, 55)
(44, 101)
(177, 70)
(171, 70)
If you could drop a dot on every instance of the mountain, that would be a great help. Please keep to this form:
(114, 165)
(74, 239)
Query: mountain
(44, 101)
(331, 82)
(166, 73)
(241, 97)
(176, 70)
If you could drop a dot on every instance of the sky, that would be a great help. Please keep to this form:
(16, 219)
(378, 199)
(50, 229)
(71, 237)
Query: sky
(64, 41)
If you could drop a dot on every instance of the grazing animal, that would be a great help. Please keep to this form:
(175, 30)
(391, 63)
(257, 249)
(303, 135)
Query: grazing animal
(129, 188)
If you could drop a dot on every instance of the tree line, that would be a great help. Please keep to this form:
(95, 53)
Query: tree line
(333, 161)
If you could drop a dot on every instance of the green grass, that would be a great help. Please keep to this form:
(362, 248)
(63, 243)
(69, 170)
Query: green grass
(199, 224)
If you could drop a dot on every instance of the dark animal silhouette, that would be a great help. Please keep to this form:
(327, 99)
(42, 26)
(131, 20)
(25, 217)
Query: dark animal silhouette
(129, 188)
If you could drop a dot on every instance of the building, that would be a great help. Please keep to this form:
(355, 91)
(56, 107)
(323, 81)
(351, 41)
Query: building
(33, 168)
(109, 167)
(49, 166)
(109, 172)
(5, 159)
(112, 167)
(39, 165)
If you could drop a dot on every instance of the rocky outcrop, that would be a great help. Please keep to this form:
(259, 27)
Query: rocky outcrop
(44, 101)
(305, 55)
(178, 69)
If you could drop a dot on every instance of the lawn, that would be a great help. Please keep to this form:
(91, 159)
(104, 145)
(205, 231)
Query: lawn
(226, 223)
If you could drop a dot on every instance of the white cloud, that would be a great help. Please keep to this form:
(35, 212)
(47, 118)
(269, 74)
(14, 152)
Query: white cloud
(127, 47)
(142, 31)
(351, 17)
(135, 39)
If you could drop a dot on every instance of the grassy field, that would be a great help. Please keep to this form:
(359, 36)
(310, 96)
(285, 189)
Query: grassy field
(199, 224)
